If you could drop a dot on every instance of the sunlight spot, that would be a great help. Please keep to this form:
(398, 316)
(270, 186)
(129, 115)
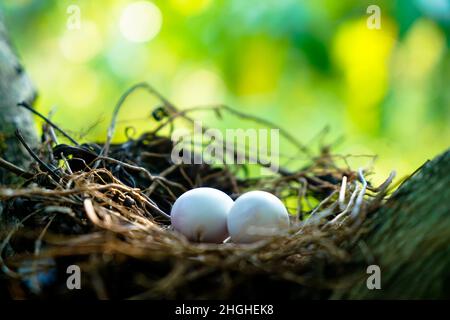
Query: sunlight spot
(78, 87)
(413, 63)
(140, 21)
(81, 45)
(198, 87)
(364, 55)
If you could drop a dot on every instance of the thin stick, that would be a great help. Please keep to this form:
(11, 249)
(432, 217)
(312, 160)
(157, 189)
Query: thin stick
(342, 193)
(349, 205)
(28, 107)
(52, 134)
(3, 266)
(240, 114)
(15, 169)
(230, 146)
(35, 157)
(66, 164)
(175, 113)
(360, 197)
(112, 126)
(301, 195)
(382, 187)
(268, 123)
(37, 250)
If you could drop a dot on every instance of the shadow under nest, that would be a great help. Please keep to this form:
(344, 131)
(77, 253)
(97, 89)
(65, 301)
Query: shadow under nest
(104, 207)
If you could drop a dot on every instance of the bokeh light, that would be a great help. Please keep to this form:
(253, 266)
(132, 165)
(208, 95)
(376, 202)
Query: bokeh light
(198, 87)
(85, 87)
(140, 21)
(364, 54)
(81, 45)
(305, 65)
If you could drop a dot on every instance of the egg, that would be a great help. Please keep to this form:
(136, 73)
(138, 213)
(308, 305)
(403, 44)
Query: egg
(201, 215)
(256, 215)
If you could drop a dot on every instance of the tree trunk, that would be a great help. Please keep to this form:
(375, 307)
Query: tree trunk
(15, 86)
(409, 239)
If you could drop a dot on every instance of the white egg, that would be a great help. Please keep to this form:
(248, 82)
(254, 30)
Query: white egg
(256, 215)
(201, 214)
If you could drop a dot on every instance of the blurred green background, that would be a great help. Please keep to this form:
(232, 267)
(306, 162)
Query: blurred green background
(305, 65)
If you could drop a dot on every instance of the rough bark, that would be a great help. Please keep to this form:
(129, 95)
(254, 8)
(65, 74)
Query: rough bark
(409, 239)
(15, 86)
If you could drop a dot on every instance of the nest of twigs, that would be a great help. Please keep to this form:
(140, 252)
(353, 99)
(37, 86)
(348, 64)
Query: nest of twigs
(105, 208)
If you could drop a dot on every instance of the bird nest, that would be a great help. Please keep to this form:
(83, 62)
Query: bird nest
(105, 208)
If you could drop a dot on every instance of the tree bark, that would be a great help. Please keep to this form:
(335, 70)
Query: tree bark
(409, 239)
(15, 86)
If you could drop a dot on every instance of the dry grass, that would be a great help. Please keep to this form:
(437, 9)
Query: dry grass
(106, 208)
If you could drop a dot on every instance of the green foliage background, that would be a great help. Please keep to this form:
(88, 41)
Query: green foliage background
(306, 65)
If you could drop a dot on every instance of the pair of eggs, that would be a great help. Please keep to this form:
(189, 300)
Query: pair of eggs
(210, 215)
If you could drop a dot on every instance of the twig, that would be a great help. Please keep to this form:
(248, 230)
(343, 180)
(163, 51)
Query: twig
(28, 107)
(359, 199)
(349, 205)
(37, 249)
(15, 169)
(174, 113)
(382, 187)
(301, 195)
(4, 267)
(35, 157)
(230, 146)
(253, 118)
(112, 126)
(342, 193)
